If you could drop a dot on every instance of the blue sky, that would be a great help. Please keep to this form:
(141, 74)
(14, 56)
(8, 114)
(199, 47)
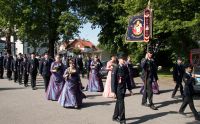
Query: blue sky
(89, 34)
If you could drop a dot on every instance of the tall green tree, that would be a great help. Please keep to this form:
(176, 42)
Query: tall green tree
(8, 20)
(176, 23)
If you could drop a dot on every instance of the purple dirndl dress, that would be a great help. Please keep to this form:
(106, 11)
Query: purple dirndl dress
(56, 82)
(155, 88)
(95, 83)
(71, 95)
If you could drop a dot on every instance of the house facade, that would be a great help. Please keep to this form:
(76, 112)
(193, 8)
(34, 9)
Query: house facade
(87, 48)
(20, 47)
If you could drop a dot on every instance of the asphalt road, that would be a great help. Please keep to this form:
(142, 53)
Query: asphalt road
(20, 105)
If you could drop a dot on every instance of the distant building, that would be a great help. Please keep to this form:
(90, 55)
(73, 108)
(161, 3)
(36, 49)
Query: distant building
(86, 48)
(3, 46)
(20, 47)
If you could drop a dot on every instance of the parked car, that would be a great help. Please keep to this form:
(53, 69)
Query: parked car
(196, 85)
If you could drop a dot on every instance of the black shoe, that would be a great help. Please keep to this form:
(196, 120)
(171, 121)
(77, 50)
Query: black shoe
(153, 107)
(122, 122)
(182, 113)
(145, 104)
(197, 118)
(172, 96)
(116, 119)
(82, 88)
(34, 88)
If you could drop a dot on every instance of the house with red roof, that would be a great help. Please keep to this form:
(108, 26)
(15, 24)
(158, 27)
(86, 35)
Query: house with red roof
(84, 46)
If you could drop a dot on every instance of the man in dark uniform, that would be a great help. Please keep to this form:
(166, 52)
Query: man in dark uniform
(119, 81)
(1, 65)
(87, 65)
(149, 70)
(14, 68)
(33, 70)
(79, 65)
(178, 71)
(189, 80)
(24, 70)
(18, 67)
(44, 69)
(8, 65)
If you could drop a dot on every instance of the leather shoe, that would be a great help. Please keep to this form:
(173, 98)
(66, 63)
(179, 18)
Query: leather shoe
(197, 118)
(153, 107)
(122, 122)
(116, 119)
(182, 113)
(145, 104)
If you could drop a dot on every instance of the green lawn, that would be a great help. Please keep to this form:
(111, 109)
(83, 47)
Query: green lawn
(165, 72)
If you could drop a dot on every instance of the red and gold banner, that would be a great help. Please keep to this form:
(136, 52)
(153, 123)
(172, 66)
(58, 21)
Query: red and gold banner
(140, 27)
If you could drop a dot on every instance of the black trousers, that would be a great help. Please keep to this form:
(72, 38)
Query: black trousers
(9, 74)
(46, 81)
(1, 72)
(119, 106)
(19, 74)
(188, 100)
(15, 76)
(88, 73)
(148, 93)
(33, 80)
(25, 77)
(178, 84)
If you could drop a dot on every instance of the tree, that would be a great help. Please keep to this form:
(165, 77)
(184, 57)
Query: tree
(174, 23)
(8, 20)
(48, 21)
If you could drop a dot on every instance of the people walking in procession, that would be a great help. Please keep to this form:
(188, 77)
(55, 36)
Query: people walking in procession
(107, 88)
(79, 65)
(95, 83)
(24, 70)
(14, 68)
(120, 80)
(33, 70)
(8, 65)
(18, 68)
(189, 80)
(44, 69)
(1, 65)
(87, 65)
(178, 72)
(131, 71)
(56, 80)
(149, 71)
(71, 95)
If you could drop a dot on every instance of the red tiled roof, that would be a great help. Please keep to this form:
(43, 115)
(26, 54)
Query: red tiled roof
(82, 43)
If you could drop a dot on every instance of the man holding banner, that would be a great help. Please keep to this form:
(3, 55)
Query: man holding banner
(149, 70)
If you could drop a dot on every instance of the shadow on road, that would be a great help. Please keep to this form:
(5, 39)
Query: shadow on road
(89, 104)
(166, 103)
(165, 91)
(194, 122)
(145, 118)
(93, 96)
(16, 88)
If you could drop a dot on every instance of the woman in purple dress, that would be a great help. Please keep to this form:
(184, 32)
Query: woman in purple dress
(71, 95)
(95, 83)
(56, 81)
(131, 72)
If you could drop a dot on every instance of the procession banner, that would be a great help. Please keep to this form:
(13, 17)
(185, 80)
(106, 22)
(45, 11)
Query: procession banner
(140, 27)
(135, 30)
